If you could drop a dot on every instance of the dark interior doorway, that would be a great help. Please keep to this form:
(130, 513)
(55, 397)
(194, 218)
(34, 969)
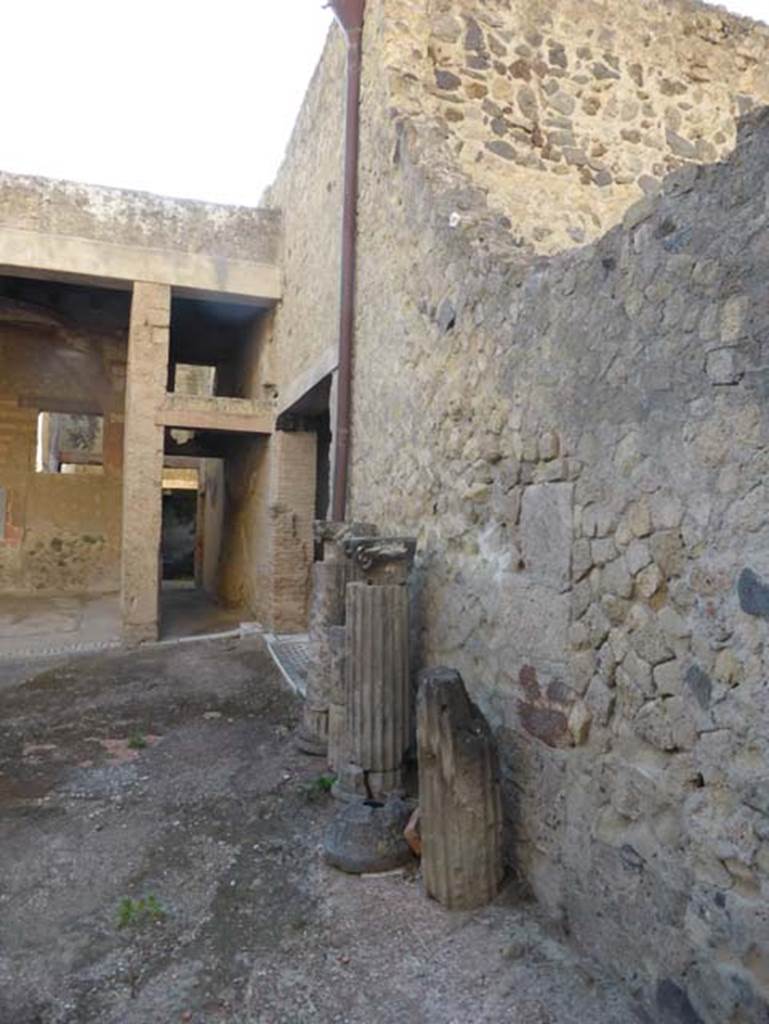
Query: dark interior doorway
(323, 468)
(180, 509)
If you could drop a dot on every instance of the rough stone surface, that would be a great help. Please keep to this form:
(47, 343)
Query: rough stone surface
(369, 836)
(382, 560)
(331, 535)
(753, 593)
(327, 613)
(590, 275)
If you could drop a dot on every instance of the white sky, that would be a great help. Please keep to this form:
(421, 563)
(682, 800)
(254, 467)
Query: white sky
(194, 98)
(191, 98)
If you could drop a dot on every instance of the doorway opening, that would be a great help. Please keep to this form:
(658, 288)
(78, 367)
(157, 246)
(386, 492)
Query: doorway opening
(214, 530)
(313, 412)
(189, 543)
(179, 538)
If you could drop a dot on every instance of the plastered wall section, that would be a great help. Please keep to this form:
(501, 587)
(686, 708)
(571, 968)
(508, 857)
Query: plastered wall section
(308, 194)
(268, 541)
(244, 569)
(60, 533)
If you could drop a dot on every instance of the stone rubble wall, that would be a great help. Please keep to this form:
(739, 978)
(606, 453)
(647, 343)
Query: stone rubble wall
(126, 217)
(581, 448)
(578, 439)
(576, 107)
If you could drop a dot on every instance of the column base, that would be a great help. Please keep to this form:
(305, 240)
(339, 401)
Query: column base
(134, 634)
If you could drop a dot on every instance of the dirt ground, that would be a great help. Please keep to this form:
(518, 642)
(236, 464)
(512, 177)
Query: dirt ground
(169, 776)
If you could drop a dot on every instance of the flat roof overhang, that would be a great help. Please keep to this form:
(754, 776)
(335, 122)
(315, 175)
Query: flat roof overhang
(89, 261)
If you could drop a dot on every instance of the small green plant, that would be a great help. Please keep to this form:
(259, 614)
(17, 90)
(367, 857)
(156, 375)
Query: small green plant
(318, 787)
(325, 783)
(135, 913)
(137, 740)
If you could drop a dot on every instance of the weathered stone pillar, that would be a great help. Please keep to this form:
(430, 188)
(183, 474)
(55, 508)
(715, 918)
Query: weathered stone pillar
(338, 746)
(378, 695)
(292, 511)
(329, 580)
(327, 614)
(459, 795)
(148, 342)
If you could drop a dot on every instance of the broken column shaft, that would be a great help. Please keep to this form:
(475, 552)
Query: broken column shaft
(329, 580)
(378, 714)
(459, 795)
(378, 699)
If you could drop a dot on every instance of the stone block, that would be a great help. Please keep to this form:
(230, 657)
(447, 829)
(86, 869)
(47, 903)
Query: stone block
(639, 519)
(368, 836)
(615, 579)
(637, 556)
(721, 366)
(666, 511)
(753, 593)
(546, 533)
(667, 724)
(648, 581)
(700, 685)
(667, 679)
(674, 1005)
(538, 617)
(733, 315)
(600, 700)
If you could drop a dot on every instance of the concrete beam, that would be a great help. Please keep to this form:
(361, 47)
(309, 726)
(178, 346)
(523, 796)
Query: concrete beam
(238, 415)
(107, 263)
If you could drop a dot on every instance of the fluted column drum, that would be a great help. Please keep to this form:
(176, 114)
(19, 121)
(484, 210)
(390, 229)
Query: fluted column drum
(459, 795)
(377, 674)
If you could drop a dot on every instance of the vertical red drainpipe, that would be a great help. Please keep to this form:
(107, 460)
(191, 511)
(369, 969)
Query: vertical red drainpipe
(349, 14)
